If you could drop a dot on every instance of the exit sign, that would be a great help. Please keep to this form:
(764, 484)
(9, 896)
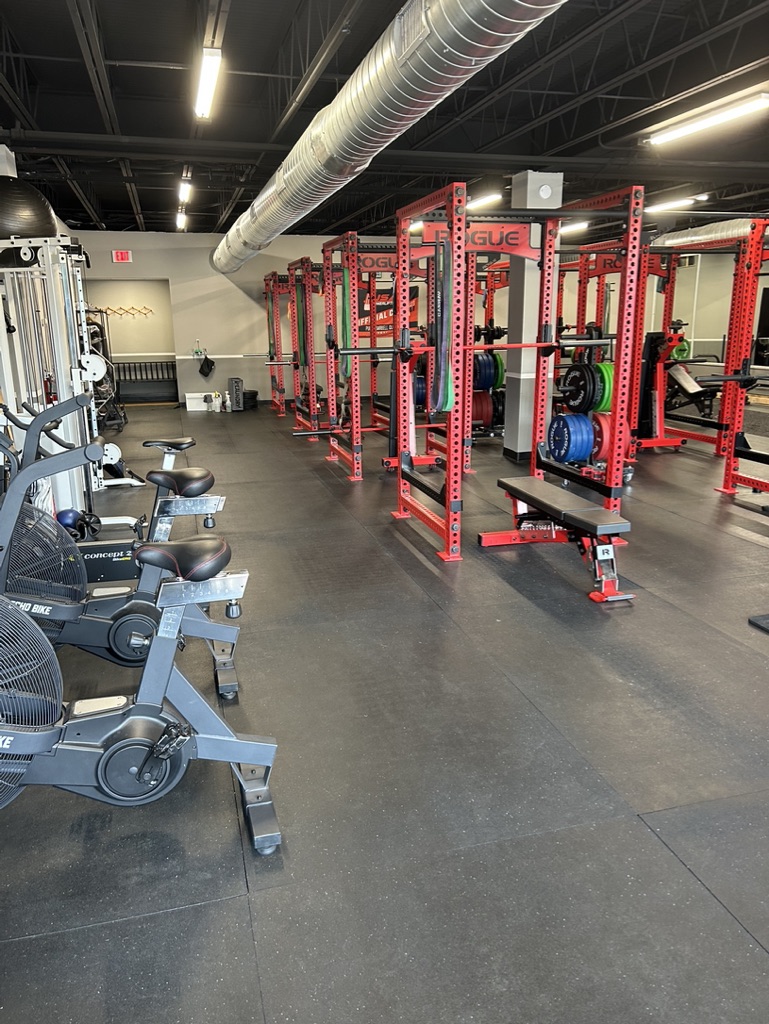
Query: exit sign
(122, 256)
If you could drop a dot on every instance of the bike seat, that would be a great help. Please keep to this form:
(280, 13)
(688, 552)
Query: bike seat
(196, 559)
(171, 444)
(187, 483)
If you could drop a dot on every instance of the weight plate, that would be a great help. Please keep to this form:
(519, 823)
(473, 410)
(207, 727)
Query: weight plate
(682, 350)
(570, 438)
(601, 432)
(607, 372)
(420, 391)
(578, 386)
(487, 408)
(498, 414)
(483, 371)
(499, 362)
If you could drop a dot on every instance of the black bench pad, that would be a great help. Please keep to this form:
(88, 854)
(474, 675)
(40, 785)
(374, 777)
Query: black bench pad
(564, 506)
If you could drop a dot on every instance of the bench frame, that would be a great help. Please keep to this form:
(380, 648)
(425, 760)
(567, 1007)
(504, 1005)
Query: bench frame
(544, 513)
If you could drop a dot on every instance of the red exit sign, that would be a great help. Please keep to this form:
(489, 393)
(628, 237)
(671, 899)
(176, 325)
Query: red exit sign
(122, 256)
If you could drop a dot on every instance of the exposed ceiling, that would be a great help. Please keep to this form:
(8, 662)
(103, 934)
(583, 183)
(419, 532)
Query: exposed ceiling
(96, 102)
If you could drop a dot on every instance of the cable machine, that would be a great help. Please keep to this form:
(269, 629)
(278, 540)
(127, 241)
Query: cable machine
(45, 352)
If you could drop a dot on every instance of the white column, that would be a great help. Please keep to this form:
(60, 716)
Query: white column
(531, 190)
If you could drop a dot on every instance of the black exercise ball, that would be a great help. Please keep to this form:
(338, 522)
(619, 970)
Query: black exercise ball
(24, 211)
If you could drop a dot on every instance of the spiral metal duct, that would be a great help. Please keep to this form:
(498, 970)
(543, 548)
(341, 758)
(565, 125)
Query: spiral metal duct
(722, 231)
(431, 48)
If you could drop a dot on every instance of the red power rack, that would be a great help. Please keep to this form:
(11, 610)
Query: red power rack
(346, 436)
(560, 517)
(303, 280)
(275, 286)
(447, 523)
(751, 254)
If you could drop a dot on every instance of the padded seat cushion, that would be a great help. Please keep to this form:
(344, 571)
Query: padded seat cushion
(187, 483)
(196, 559)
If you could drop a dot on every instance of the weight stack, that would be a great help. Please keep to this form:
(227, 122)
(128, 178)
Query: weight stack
(236, 393)
(250, 399)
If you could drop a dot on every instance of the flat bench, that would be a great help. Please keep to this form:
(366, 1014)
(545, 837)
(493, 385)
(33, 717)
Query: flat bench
(563, 506)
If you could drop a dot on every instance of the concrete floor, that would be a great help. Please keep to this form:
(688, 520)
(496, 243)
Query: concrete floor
(502, 803)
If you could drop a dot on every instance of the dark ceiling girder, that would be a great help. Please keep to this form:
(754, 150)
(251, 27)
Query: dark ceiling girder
(620, 122)
(553, 57)
(670, 55)
(391, 160)
(9, 95)
(317, 66)
(216, 22)
(87, 33)
(23, 115)
(138, 147)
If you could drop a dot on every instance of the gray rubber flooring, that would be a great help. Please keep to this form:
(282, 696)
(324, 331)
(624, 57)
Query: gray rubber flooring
(501, 803)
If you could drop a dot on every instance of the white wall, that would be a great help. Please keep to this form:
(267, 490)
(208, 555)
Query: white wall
(142, 335)
(225, 314)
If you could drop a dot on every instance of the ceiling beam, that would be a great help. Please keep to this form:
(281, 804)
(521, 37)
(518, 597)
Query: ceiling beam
(140, 147)
(318, 65)
(404, 161)
(668, 56)
(25, 118)
(594, 29)
(87, 32)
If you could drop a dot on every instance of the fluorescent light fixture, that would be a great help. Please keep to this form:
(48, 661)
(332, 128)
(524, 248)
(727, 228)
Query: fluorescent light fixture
(492, 197)
(185, 190)
(711, 119)
(209, 73)
(674, 204)
(576, 225)
(181, 220)
(417, 225)
(702, 197)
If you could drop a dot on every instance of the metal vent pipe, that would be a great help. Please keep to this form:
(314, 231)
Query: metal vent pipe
(721, 231)
(430, 49)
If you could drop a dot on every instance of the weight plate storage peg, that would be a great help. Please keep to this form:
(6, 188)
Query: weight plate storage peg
(570, 438)
(578, 386)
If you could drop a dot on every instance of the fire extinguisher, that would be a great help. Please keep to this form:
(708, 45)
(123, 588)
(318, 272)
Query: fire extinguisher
(50, 390)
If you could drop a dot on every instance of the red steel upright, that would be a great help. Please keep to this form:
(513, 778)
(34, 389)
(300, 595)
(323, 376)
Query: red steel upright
(447, 522)
(302, 279)
(344, 444)
(276, 285)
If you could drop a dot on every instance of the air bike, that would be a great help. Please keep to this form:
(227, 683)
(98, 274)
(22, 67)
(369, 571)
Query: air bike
(104, 620)
(125, 750)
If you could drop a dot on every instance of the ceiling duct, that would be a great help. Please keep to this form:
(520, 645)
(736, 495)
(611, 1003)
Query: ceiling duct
(432, 48)
(722, 231)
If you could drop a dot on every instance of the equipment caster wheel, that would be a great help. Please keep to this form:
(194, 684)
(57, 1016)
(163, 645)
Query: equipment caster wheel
(265, 851)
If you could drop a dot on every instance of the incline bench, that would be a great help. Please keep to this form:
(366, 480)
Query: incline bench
(562, 516)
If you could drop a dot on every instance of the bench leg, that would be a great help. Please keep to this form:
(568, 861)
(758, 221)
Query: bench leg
(599, 555)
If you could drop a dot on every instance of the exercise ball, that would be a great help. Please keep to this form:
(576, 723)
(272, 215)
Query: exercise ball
(24, 211)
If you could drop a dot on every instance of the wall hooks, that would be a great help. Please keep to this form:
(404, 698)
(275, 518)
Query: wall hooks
(132, 311)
